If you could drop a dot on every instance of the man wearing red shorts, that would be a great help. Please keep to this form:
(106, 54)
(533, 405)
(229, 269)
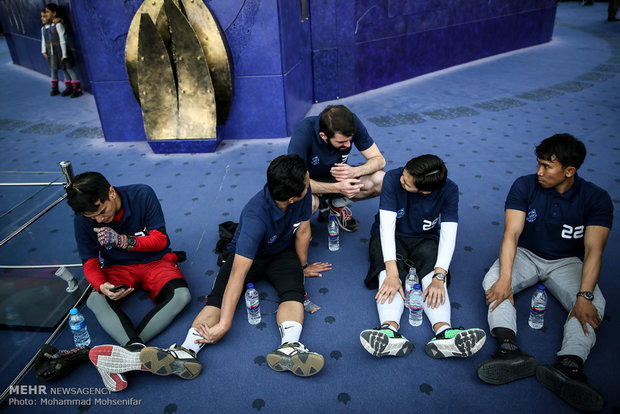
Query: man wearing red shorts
(122, 240)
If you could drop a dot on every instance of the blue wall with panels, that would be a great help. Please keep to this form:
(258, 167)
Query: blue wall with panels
(282, 63)
(359, 45)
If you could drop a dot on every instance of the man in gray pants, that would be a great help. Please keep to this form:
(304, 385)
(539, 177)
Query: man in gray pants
(556, 227)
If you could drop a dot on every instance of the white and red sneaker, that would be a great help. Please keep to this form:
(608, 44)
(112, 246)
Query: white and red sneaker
(112, 361)
(343, 217)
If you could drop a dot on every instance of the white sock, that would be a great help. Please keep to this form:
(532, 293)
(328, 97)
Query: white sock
(192, 335)
(290, 332)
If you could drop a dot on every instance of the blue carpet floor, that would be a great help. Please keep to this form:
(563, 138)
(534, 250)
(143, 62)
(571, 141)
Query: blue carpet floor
(483, 118)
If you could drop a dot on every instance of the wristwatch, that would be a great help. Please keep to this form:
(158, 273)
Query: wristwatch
(586, 294)
(440, 276)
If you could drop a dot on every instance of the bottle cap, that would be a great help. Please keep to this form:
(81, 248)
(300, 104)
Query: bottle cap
(541, 287)
(250, 285)
(417, 286)
(73, 311)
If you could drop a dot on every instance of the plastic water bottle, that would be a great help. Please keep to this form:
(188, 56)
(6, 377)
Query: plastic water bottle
(415, 306)
(78, 327)
(252, 304)
(14, 322)
(333, 234)
(539, 305)
(412, 279)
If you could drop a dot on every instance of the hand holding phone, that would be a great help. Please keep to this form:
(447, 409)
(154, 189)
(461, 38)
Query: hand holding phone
(119, 288)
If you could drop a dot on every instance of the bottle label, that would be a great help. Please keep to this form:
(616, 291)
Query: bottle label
(77, 326)
(254, 305)
(539, 308)
(333, 236)
(415, 307)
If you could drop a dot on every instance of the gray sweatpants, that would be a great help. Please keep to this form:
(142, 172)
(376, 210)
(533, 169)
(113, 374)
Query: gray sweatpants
(562, 277)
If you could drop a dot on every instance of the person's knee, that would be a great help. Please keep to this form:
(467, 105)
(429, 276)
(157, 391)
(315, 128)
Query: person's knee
(182, 296)
(490, 278)
(95, 301)
(315, 203)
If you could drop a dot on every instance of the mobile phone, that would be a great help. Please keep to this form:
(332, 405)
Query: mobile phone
(119, 287)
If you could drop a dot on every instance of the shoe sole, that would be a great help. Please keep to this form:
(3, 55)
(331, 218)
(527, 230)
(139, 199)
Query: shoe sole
(576, 393)
(115, 359)
(503, 371)
(302, 365)
(160, 362)
(378, 344)
(463, 344)
(111, 362)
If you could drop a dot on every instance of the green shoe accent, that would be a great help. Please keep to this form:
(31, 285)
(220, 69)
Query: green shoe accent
(383, 341)
(455, 343)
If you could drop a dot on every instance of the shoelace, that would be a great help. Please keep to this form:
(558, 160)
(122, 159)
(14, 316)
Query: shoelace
(345, 212)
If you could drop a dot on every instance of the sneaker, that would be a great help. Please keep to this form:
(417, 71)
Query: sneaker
(383, 341)
(296, 358)
(112, 361)
(506, 366)
(570, 384)
(343, 217)
(174, 360)
(458, 342)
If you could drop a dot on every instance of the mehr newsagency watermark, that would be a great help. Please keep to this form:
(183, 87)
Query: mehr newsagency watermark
(43, 395)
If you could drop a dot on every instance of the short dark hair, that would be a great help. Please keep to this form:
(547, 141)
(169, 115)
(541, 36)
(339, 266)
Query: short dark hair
(568, 150)
(53, 7)
(86, 191)
(429, 172)
(337, 118)
(286, 177)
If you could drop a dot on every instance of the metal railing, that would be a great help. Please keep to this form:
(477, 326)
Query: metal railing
(67, 172)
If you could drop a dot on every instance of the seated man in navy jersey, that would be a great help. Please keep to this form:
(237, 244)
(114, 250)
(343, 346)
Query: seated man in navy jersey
(271, 243)
(124, 228)
(416, 226)
(556, 228)
(324, 142)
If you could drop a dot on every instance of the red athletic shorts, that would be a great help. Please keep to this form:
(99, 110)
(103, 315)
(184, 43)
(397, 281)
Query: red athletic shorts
(151, 276)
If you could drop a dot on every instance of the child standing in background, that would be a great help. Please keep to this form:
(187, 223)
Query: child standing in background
(54, 48)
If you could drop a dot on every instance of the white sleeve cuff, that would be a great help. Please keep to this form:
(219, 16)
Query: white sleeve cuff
(447, 243)
(387, 221)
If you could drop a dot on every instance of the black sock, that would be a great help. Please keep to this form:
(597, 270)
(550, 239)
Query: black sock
(571, 361)
(506, 338)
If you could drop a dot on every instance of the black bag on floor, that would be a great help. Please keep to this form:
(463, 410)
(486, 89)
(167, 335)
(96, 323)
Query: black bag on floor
(52, 364)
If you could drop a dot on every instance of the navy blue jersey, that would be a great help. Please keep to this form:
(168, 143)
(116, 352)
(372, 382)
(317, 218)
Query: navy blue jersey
(320, 157)
(555, 223)
(265, 229)
(417, 215)
(141, 213)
